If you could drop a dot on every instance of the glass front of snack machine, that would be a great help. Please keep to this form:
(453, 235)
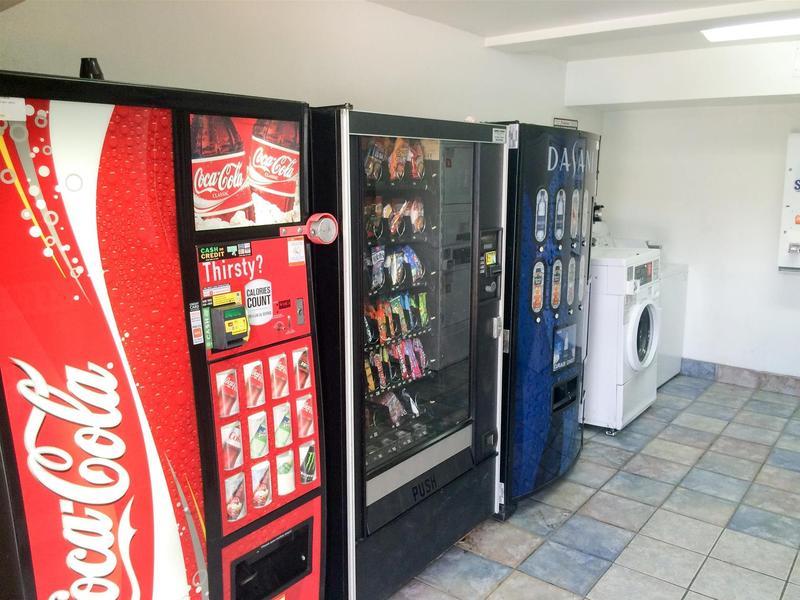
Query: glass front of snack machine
(416, 222)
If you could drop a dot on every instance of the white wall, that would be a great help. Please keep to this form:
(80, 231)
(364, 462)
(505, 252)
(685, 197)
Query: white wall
(707, 183)
(322, 52)
(740, 71)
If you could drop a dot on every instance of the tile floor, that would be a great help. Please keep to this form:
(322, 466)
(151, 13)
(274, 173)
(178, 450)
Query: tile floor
(698, 498)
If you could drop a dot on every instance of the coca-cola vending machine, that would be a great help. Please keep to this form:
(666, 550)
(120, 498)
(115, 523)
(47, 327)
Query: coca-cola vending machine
(160, 430)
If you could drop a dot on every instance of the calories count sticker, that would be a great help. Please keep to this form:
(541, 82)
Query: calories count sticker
(258, 301)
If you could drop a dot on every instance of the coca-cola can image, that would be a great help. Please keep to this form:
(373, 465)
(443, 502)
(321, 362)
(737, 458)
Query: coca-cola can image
(254, 381)
(279, 376)
(227, 393)
(235, 502)
(274, 170)
(231, 437)
(305, 416)
(302, 369)
(219, 174)
(282, 421)
(257, 433)
(285, 467)
(262, 484)
(308, 462)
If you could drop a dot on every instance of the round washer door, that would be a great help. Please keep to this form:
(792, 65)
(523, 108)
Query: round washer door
(643, 334)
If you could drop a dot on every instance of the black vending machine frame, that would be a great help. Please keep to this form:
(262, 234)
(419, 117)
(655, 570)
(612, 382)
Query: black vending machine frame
(441, 518)
(181, 103)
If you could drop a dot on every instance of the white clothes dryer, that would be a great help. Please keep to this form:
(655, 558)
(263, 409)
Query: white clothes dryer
(624, 329)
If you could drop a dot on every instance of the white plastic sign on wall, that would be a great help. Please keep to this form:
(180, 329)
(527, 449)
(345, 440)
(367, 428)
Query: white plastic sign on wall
(789, 243)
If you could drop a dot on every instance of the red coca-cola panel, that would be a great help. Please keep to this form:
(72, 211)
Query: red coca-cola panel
(268, 540)
(94, 363)
(267, 431)
(272, 282)
(245, 172)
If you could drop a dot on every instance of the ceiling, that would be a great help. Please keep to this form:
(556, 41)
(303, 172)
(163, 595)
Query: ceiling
(579, 29)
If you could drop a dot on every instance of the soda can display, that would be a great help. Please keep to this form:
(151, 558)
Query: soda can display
(235, 505)
(308, 462)
(282, 421)
(227, 393)
(302, 371)
(232, 455)
(305, 416)
(279, 375)
(257, 429)
(262, 484)
(254, 381)
(285, 466)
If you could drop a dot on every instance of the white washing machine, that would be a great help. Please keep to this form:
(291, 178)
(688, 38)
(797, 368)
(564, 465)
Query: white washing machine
(624, 327)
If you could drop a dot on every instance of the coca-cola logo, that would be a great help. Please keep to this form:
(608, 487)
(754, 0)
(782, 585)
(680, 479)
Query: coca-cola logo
(89, 406)
(227, 179)
(279, 166)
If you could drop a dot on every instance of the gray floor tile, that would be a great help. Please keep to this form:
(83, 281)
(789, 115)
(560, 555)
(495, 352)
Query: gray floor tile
(682, 531)
(709, 409)
(589, 431)
(764, 421)
(687, 436)
(567, 568)
(605, 455)
(723, 399)
(786, 459)
(775, 397)
(792, 592)
(538, 518)
(618, 511)
(723, 581)
(590, 474)
(714, 484)
(700, 422)
(661, 560)
(501, 542)
(564, 494)
(646, 426)
(661, 413)
(621, 583)
(741, 448)
(795, 576)
(674, 401)
(638, 488)
(627, 440)
(672, 451)
(754, 553)
(777, 501)
(656, 468)
(782, 479)
(464, 575)
(519, 586)
(681, 390)
(793, 426)
(788, 442)
(593, 537)
(700, 506)
(729, 465)
(766, 525)
(418, 590)
(751, 434)
(690, 595)
(770, 408)
(735, 391)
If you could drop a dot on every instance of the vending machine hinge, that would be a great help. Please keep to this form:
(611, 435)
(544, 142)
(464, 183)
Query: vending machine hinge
(513, 136)
(506, 340)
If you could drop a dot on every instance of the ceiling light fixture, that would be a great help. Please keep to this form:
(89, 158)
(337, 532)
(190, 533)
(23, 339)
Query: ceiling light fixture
(752, 31)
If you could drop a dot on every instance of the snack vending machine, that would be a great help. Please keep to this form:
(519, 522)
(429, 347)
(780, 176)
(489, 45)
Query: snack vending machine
(552, 185)
(416, 294)
(161, 430)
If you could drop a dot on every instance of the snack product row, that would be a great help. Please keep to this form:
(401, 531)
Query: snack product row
(401, 315)
(394, 266)
(388, 365)
(398, 217)
(252, 373)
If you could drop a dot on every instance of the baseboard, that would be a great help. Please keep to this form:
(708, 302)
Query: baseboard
(759, 380)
